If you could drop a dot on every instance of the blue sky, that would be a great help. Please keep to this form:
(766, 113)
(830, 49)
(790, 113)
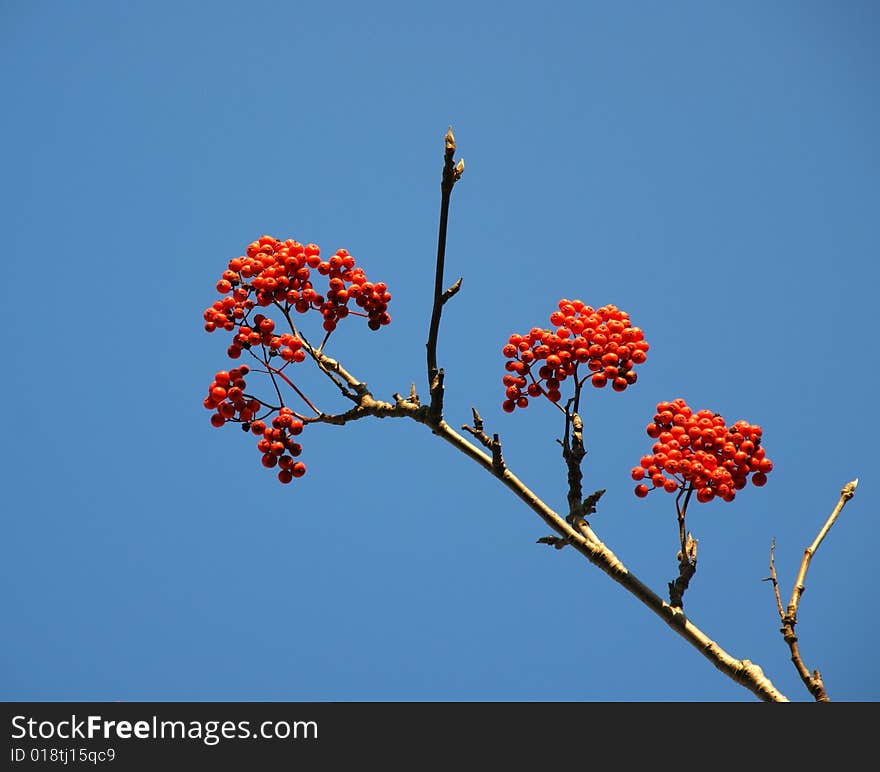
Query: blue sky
(709, 167)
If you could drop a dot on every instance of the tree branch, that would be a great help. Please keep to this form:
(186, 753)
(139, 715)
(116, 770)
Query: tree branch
(573, 530)
(813, 681)
(585, 541)
(772, 578)
(451, 174)
(583, 538)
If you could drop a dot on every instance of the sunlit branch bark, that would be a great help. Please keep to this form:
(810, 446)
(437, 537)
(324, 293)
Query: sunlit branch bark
(583, 539)
(813, 681)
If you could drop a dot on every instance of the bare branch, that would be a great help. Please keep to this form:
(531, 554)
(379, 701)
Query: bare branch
(585, 541)
(846, 493)
(772, 578)
(493, 443)
(813, 681)
(451, 174)
(327, 366)
(582, 538)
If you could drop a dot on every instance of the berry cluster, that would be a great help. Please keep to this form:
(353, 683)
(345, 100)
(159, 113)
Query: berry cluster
(280, 273)
(227, 398)
(287, 346)
(699, 452)
(278, 446)
(603, 339)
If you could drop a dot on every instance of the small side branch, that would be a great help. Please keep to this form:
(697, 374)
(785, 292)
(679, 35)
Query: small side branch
(412, 400)
(493, 443)
(813, 681)
(370, 407)
(846, 493)
(772, 578)
(347, 384)
(451, 174)
(449, 292)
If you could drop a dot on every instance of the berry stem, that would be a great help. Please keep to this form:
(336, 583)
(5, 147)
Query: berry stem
(323, 342)
(573, 453)
(285, 311)
(687, 557)
(292, 386)
(265, 361)
(323, 362)
(682, 511)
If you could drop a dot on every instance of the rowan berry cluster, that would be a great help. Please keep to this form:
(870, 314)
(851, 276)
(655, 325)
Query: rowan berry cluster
(280, 273)
(699, 452)
(603, 339)
(227, 398)
(278, 446)
(286, 345)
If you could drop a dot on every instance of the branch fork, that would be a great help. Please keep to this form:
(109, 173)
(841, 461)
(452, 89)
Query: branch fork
(788, 616)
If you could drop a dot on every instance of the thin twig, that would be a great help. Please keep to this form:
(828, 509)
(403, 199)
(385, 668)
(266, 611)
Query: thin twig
(493, 443)
(846, 493)
(451, 174)
(772, 578)
(292, 385)
(813, 681)
(318, 356)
